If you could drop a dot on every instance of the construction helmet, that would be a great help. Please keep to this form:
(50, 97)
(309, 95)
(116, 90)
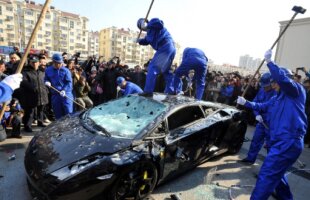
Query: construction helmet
(57, 58)
(265, 80)
(142, 24)
(120, 80)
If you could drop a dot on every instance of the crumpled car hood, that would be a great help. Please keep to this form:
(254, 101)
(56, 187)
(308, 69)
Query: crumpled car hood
(67, 141)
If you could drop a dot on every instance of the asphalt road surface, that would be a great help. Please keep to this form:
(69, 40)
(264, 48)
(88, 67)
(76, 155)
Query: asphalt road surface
(211, 180)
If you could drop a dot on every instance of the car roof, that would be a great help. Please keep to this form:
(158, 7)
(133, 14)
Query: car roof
(173, 101)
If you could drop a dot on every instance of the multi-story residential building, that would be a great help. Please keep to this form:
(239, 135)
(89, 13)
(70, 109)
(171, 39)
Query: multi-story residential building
(122, 43)
(93, 43)
(60, 31)
(249, 62)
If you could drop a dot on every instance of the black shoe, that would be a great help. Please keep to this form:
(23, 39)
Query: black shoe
(149, 94)
(17, 136)
(28, 129)
(42, 125)
(246, 161)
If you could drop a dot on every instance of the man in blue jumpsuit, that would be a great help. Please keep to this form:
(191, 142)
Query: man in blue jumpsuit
(8, 85)
(127, 87)
(288, 124)
(261, 133)
(193, 59)
(160, 39)
(60, 78)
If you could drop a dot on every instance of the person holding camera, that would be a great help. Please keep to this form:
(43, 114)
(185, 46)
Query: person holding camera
(13, 118)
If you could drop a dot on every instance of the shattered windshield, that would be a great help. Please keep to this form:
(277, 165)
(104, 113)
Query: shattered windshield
(126, 117)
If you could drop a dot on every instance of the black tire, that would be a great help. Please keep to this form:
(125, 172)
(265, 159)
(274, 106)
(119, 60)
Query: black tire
(135, 182)
(237, 138)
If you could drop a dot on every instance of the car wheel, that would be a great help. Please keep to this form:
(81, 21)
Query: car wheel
(237, 139)
(135, 182)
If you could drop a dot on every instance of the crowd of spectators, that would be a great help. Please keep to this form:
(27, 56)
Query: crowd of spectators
(94, 82)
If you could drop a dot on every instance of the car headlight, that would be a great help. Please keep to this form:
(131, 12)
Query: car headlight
(76, 168)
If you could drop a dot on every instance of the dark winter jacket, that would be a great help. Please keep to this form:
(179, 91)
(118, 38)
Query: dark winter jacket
(33, 90)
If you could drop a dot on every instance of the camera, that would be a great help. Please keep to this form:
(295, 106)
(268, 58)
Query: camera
(300, 68)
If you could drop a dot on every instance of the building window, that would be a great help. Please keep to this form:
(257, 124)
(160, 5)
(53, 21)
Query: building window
(0, 10)
(9, 9)
(71, 48)
(40, 36)
(71, 24)
(28, 22)
(9, 18)
(124, 39)
(83, 39)
(1, 30)
(48, 25)
(1, 21)
(29, 12)
(47, 33)
(71, 33)
(1, 39)
(40, 44)
(64, 20)
(47, 16)
(71, 40)
(9, 27)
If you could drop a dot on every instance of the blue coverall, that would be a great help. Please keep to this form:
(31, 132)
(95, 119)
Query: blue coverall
(288, 124)
(131, 88)
(261, 133)
(161, 41)
(5, 92)
(61, 80)
(193, 59)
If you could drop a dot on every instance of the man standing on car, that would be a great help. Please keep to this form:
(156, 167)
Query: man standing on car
(60, 78)
(288, 126)
(161, 41)
(193, 59)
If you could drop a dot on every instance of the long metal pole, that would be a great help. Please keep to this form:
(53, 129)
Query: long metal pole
(33, 35)
(147, 15)
(273, 45)
(68, 97)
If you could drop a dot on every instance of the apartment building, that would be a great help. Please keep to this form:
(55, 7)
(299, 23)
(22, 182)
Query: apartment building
(60, 31)
(93, 43)
(122, 43)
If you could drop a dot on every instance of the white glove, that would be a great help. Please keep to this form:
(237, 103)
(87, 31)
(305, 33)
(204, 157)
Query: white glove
(241, 100)
(118, 88)
(268, 55)
(48, 84)
(13, 81)
(181, 93)
(62, 93)
(259, 118)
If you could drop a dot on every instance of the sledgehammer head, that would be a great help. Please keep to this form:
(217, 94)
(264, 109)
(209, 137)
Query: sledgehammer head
(299, 9)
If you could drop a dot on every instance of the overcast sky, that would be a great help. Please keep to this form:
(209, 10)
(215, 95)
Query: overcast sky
(224, 29)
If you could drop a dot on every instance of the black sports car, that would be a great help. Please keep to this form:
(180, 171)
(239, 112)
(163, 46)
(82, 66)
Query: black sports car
(123, 148)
